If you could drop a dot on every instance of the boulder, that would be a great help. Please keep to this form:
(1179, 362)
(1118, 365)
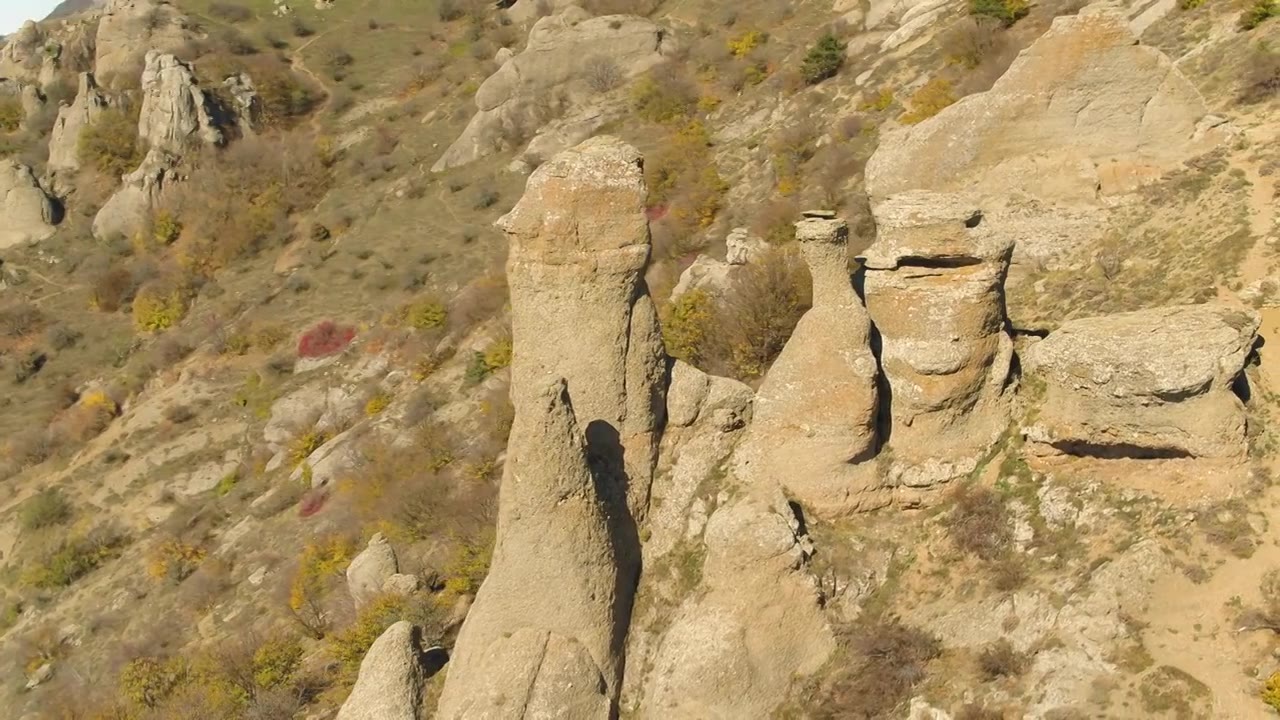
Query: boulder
(933, 286)
(370, 570)
(546, 631)
(90, 102)
(716, 276)
(129, 210)
(26, 212)
(176, 114)
(391, 680)
(130, 29)
(550, 77)
(580, 309)
(1148, 384)
(1017, 151)
(814, 427)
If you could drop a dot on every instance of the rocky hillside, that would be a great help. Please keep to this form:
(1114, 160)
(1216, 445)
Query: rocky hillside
(640, 358)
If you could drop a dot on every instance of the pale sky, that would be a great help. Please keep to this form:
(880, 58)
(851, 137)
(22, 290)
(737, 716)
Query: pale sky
(15, 12)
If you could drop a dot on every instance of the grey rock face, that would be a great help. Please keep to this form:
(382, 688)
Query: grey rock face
(26, 212)
(88, 105)
(176, 114)
(129, 211)
(547, 79)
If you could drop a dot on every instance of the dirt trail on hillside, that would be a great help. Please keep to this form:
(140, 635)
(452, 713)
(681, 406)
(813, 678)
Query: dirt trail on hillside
(1195, 627)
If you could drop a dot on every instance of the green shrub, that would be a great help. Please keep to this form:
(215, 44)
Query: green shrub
(664, 94)
(1271, 691)
(1259, 12)
(276, 661)
(425, 315)
(74, 558)
(48, 508)
(11, 114)
(158, 306)
(928, 101)
(685, 326)
(823, 60)
(1007, 12)
(148, 681)
(110, 144)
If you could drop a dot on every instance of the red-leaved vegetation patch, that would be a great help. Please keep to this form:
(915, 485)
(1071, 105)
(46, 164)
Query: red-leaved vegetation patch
(326, 338)
(313, 502)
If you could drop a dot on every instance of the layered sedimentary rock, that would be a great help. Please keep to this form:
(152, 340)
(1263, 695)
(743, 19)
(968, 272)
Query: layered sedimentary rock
(1083, 115)
(580, 306)
(551, 76)
(815, 414)
(90, 102)
(26, 211)
(129, 210)
(392, 675)
(130, 29)
(934, 288)
(1147, 384)
(176, 114)
(545, 635)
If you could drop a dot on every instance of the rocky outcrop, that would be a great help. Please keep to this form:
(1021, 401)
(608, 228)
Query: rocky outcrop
(544, 637)
(176, 114)
(934, 288)
(391, 678)
(1148, 384)
(26, 212)
(735, 647)
(88, 105)
(21, 56)
(714, 275)
(129, 210)
(130, 29)
(1020, 151)
(248, 106)
(580, 306)
(370, 570)
(550, 76)
(816, 412)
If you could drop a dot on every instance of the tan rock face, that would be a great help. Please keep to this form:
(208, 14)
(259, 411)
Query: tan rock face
(933, 286)
(545, 635)
(176, 114)
(815, 413)
(391, 678)
(549, 78)
(1147, 384)
(26, 212)
(129, 210)
(370, 570)
(581, 309)
(21, 56)
(1082, 116)
(735, 647)
(128, 30)
(88, 105)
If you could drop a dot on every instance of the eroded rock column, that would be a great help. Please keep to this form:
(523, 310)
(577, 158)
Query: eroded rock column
(580, 309)
(545, 635)
(815, 418)
(934, 288)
